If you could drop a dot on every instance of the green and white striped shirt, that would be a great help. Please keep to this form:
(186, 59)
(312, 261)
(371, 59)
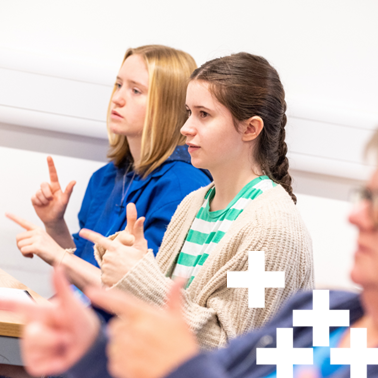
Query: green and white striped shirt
(209, 227)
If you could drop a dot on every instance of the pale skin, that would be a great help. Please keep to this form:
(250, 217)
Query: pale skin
(35, 241)
(209, 132)
(57, 335)
(127, 114)
(216, 145)
(365, 268)
(141, 331)
(54, 338)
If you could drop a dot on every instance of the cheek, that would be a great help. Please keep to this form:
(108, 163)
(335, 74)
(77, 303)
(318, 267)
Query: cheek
(226, 142)
(138, 113)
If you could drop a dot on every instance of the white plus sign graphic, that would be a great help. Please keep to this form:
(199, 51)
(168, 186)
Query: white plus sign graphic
(256, 279)
(320, 318)
(284, 356)
(358, 356)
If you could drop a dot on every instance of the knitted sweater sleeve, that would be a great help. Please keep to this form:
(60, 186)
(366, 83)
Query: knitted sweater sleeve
(214, 312)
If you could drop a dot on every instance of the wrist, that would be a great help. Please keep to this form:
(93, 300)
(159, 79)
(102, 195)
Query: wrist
(63, 256)
(55, 226)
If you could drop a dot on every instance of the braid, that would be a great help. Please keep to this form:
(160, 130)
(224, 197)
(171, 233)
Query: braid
(280, 171)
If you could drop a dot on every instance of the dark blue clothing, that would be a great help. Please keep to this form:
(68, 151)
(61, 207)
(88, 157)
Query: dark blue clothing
(156, 198)
(238, 359)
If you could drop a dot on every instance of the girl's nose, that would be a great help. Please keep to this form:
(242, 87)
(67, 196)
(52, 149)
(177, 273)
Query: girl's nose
(118, 99)
(187, 129)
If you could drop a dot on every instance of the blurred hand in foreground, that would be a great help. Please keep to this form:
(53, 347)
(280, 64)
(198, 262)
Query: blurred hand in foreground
(56, 335)
(145, 341)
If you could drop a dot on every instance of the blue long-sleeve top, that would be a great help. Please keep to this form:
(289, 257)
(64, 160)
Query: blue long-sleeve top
(156, 198)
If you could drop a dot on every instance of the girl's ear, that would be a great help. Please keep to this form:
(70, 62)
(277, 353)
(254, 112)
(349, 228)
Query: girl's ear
(252, 128)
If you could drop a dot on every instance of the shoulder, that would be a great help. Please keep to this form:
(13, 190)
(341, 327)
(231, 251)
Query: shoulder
(274, 208)
(96, 181)
(272, 223)
(177, 179)
(185, 172)
(106, 170)
(338, 300)
(276, 197)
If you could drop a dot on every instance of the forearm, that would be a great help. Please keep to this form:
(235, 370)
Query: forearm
(80, 272)
(60, 233)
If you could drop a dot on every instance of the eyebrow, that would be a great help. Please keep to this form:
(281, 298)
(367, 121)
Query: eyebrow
(132, 82)
(199, 107)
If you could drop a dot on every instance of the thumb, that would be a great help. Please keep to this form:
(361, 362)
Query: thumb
(69, 190)
(174, 298)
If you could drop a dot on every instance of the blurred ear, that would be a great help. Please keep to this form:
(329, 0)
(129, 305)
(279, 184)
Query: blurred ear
(252, 128)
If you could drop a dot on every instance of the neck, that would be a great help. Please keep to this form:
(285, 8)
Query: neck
(135, 146)
(229, 181)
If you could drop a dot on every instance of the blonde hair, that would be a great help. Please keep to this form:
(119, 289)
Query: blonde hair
(169, 71)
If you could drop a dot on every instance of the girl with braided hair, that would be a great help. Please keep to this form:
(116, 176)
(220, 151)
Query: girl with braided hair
(235, 129)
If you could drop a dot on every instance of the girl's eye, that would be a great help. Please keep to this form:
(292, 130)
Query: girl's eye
(188, 112)
(203, 114)
(136, 91)
(118, 85)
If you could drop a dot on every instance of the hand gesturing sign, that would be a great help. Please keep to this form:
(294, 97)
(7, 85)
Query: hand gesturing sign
(124, 251)
(56, 335)
(50, 202)
(145, 341)
(36, 241)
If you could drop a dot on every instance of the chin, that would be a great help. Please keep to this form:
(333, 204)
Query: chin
(117, 130)
(355, 276)
(113, 128)
(364, 275)
(198, 163)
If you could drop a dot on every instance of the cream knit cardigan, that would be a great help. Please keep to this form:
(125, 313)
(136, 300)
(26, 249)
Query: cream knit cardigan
(270, 223)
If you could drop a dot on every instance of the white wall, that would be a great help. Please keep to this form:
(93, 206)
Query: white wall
(58, 61)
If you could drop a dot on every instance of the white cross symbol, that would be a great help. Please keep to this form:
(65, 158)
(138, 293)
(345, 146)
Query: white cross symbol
(358, 356)
(256, 279)
(320, 318)
(284, 356)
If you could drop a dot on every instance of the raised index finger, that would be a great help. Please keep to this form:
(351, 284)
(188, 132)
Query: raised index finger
(22, 222)
(28, 311)
(52, 172)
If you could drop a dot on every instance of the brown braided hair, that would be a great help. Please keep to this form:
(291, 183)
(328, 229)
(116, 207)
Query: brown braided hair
(248, 86)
